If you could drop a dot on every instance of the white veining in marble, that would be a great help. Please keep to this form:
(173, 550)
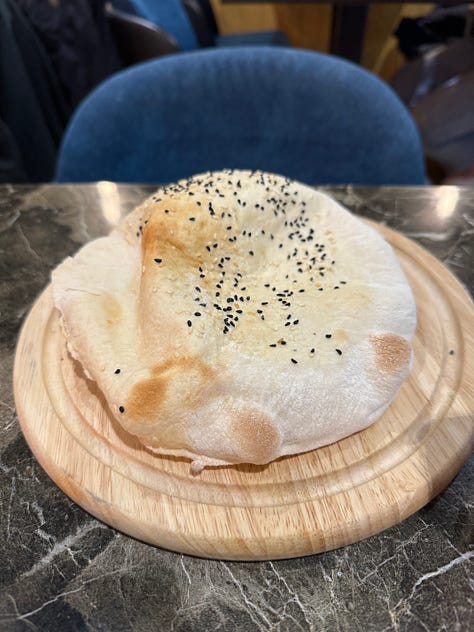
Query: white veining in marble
(60, 569)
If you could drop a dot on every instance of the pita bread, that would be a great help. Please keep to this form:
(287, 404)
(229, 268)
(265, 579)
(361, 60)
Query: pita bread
(238, 317)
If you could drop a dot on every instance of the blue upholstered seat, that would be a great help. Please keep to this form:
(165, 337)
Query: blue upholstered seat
(309, 116)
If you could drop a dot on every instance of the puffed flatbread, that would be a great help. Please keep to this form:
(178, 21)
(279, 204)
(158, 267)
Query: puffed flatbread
(237, 317)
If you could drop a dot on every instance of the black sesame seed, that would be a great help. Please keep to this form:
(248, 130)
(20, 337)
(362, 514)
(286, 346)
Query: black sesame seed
(192, 219)
(197, 313)
(338, 351)
(328, 335)
(121, 409)
(157, 260)
(294, 361)
(117, 371)
(189, 323)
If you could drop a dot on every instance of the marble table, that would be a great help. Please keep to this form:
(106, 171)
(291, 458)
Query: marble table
(60, 569)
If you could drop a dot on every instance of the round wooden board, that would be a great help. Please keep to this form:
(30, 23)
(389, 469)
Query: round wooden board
(296, 505)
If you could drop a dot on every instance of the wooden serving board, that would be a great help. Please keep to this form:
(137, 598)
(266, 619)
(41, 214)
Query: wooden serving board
(296, 505)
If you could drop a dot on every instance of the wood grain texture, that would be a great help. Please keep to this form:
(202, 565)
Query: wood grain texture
(296, 505)
(306, 25)
(244, 17)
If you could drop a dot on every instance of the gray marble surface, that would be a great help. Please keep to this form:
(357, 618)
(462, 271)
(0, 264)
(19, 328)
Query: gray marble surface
(60, 569)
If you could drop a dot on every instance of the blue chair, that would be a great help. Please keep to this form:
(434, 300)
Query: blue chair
(192, 23)
(203, 21)
(171, 17)
(136, 39)
(305, 115)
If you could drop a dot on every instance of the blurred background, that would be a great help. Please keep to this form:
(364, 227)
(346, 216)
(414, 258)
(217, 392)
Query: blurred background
(425, 51)
(54, 52)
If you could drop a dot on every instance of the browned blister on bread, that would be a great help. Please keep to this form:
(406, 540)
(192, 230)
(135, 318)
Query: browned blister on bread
(238, 317)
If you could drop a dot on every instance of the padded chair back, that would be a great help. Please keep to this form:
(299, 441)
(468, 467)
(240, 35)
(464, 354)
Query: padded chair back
(308, 116)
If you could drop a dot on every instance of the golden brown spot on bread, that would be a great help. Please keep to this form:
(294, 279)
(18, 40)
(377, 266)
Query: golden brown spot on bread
(110, 308)
(255, 436)
(340, 335)
(168, 235)
(146, 398)
(187, 375)
(392, 352)
(185, 363)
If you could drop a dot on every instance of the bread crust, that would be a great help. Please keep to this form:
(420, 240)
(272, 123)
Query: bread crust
(237, 317)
